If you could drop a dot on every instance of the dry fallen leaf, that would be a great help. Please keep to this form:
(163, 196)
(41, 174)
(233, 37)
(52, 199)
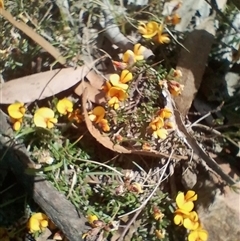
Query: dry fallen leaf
(93, 86)
(41, 85)
(106, 141)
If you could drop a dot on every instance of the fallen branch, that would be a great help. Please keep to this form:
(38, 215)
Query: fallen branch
(198, 151)
(53, 203)
(113, 34)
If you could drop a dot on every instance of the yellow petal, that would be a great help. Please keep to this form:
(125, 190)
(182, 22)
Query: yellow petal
(91, 218)
(115, 81)
(188, 206)
(118, 92)
(128, 57)
(2, 4)
(178, 219)
(44, 223)
(182, 212)
(142, 28)
(99, 112)
(157, 123)
(92, 117)
(40, 216)
(45, 112)
(189, 224)
(162, 133)
(104, 125)
(152, 29)
(155, 134)
(191, 196)
(34, 225)
(39, 121)
(64, 106)
(163, 39)
(114, 78)
(182, 204)
(16, 110)
(194, 216)
(160, 234)
(137, 187)
(160, 29)
(113, 101)
(116, 106)
(203, 234)
(44, 117)
(17, 125)
(126, 76)
(51, 122)
(138, 49)
(165, 113)
(180, 199)
(193, 236)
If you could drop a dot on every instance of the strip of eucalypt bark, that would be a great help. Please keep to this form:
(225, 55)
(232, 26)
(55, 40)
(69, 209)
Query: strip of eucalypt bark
(192, 143)
(34, 36)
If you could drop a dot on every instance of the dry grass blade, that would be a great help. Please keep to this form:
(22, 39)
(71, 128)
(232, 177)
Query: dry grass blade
(34, 36)
(138, 211)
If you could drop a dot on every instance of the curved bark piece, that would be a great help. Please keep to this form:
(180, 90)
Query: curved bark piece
(53, 203)
(107, 142)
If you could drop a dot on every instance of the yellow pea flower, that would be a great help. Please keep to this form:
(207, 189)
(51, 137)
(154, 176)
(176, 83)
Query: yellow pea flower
(175, 88)
(2, 4)
(185, 202)
(120, 81)
(92, 219)
(103, 124)
(157, 213)
(173, 19)
(136, 187)
(165, 113)
(116, 94)
(138, 50)
(37, 222)
(156, 123)
(44, 117)
(114, 102)
(115, 81)
(75, 116)
(16, 110)
(133, 56)
(169, 125)
(191, 222)
(160, 133)
(199, 234)
(126, 76)
(160, 234)
(97, 114)
(162, 38)
(179, 216)
(17, 123)
(148, 30)
(64, 106)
